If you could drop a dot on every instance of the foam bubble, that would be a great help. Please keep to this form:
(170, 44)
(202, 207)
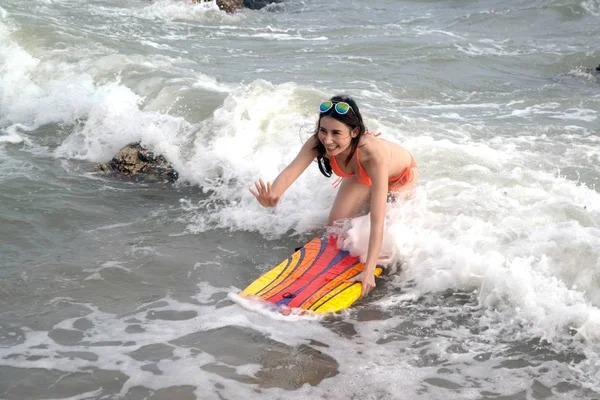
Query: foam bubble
(12, 137)
(211, 84)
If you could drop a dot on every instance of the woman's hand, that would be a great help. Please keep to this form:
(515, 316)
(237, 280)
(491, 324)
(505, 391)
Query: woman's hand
(367, 280)
(264, 194)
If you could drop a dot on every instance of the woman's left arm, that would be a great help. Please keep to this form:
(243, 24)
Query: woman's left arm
(375, 160)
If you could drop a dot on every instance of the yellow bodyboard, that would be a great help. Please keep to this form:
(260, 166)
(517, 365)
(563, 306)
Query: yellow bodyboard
(314, 278)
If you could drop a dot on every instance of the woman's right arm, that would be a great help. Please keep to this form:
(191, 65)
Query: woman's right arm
(269, 194)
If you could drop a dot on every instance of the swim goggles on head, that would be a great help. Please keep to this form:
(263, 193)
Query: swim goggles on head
(341, 107)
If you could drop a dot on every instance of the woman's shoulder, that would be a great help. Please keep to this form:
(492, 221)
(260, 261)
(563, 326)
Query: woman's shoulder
(376, 148)
(374, 141)
(371, 147)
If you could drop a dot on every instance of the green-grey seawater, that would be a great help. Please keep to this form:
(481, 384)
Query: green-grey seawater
(117, 289)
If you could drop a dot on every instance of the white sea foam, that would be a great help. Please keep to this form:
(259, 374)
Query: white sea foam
(14, 138)
(205, 11)
(211, 84)
(517, 252)
(254, 135)
(284, 36)
(106, 116)
(489, 47)
(155, 45)
(591, 6)
(16, 66)
(428, 31)
(358, 357)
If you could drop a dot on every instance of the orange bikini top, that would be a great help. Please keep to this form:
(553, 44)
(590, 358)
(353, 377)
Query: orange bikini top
(363, 177)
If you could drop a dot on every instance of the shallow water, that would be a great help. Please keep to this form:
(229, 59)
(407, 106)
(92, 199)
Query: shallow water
(118, 289)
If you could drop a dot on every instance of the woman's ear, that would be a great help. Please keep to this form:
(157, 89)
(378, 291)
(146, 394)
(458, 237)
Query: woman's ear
(354, 132)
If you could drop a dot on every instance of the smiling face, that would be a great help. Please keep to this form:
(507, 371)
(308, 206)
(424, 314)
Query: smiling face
(335, 136)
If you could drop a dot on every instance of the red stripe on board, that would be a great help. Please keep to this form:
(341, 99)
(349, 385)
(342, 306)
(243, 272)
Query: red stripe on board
(326, 278)
(311, 251)
(299, 280)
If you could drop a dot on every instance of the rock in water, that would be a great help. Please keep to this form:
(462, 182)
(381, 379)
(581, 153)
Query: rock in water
(136, 162)
(258, 4)
(230, 5)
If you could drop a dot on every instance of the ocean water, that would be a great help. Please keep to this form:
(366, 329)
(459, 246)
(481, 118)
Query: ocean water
(111, 289)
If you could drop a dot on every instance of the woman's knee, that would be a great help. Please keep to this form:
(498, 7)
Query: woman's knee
(342, 212)
(351, 198)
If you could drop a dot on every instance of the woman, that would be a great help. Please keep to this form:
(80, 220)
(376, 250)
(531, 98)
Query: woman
(369, 168)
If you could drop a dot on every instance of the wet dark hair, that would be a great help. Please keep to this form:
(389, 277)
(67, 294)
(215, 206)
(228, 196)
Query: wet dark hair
(352, 119)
